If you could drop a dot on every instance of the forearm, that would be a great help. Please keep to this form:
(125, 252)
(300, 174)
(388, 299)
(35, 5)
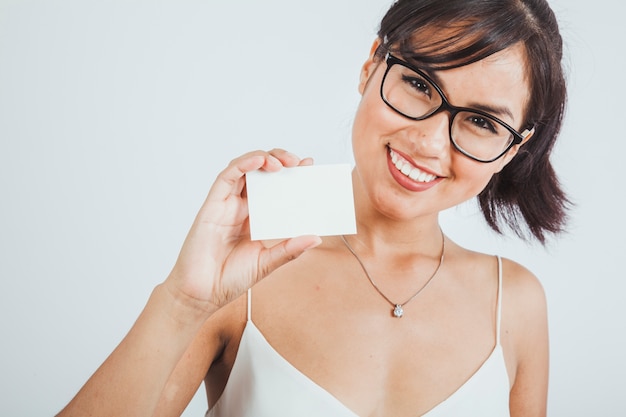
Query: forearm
(132, 378)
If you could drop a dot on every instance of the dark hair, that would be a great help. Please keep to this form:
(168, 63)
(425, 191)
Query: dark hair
(445, 34)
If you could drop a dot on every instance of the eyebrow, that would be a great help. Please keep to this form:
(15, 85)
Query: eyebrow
(498, 111)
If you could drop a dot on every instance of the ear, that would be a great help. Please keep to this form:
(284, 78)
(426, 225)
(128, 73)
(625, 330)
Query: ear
(527, 134)
(369, 67)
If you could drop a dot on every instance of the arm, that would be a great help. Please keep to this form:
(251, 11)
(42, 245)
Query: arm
(529, 342)
(217, 263)
(194, 365)
(130, 380)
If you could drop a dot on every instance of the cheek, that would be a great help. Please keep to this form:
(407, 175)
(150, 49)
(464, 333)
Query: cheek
(364, 125)
(373, 121)
(473, 175)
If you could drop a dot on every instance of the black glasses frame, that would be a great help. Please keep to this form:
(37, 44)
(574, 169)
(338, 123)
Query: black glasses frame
(391, 60)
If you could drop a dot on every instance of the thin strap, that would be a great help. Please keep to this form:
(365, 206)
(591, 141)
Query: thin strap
(249, 304)
(499, 305)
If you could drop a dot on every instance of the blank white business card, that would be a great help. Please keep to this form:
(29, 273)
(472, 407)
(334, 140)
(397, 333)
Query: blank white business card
(307, 200)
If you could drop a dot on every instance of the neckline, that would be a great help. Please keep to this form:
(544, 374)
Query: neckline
(250, 326)
(497, 349)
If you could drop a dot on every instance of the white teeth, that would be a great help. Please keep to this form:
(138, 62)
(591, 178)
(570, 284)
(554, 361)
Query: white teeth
(409, 170)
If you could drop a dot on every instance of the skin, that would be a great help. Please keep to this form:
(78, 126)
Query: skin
(366, 364)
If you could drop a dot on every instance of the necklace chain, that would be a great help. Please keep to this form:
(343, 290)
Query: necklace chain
(398, 310)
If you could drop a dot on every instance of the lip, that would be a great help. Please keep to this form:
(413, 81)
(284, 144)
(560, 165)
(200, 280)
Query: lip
(405, 181)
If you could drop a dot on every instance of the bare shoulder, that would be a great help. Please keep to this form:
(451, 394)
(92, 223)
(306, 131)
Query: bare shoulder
(522, 290)
(524, 309)
(524, 337)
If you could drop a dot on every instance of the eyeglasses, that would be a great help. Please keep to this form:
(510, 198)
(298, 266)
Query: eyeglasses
(475, 133)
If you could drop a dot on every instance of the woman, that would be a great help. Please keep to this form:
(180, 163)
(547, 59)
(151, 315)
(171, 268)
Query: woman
(460, 99)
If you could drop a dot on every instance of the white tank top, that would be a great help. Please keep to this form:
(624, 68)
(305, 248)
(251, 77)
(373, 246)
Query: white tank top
(263, 384)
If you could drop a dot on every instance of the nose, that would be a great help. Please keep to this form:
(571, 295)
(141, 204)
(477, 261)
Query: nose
(431, 136)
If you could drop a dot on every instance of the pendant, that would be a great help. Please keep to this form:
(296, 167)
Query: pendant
(398, 311)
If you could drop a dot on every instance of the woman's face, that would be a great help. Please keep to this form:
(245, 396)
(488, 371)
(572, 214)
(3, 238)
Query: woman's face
(388, 146)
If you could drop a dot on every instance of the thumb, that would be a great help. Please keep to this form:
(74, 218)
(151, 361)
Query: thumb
(285, 251)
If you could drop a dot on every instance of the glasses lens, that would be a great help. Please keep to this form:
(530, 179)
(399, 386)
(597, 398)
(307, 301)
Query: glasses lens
(409, 93)
(479, 135)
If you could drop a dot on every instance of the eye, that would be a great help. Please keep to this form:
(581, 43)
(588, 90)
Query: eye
(417, 84)
(482, 122)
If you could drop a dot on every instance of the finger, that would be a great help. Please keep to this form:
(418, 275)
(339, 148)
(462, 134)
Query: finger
(287, 250)
(231, 179)
(306, 162)
(287, 159)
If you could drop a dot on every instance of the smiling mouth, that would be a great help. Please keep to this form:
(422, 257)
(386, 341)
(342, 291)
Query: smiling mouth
(409, 170)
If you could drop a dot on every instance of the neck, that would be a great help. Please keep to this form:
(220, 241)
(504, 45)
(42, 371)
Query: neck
(399, 238)
(390, 233)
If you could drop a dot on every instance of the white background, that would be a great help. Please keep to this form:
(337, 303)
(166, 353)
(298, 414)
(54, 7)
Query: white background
(116, 115)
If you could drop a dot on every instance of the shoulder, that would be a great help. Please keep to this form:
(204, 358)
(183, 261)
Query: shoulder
(521, 288)
(522, 291)
(524, 326)
(524, 309)
(524, 338)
